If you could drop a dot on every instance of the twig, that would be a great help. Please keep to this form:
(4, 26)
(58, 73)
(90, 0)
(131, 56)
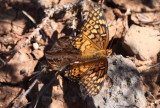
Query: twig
(12, 52)
(43, 90)
(16, 104)
(24, 95)
(152, 66)
(3, 63)
(25, 13)
(10, 104)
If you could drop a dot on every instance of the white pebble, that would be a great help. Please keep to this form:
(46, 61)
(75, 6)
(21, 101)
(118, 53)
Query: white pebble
(35, 46)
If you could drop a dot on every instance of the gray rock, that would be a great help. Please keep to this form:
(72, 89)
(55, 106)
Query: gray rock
(127, 89)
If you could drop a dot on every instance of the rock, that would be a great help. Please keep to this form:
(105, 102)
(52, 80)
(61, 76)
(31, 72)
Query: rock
(136, 5)
(147, 19)
(38, 54)
(127, 88)
(152, 3)
(35, 46)
(21, 65)
(19, 24)
(142, 42)
(47, 3)
(7, 94)
(6, 18)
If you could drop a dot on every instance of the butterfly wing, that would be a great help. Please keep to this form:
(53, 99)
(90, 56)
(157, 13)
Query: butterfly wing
(91, 83)
(91, 75)
(94, 34)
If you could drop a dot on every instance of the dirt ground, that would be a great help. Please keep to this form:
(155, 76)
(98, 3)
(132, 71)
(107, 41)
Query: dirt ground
(28, 28)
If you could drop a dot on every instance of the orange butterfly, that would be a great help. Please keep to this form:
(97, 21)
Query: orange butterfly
(93, 40)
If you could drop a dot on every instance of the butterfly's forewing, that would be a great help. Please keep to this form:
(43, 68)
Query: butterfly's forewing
(84, 45)
(94, 32)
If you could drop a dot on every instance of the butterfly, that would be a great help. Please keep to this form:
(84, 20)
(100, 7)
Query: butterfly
(91, 69)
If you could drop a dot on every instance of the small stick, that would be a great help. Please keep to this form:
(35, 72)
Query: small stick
(25, 13)
(43, 90)
(3, 63)
(16, 104)
(152, 66)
